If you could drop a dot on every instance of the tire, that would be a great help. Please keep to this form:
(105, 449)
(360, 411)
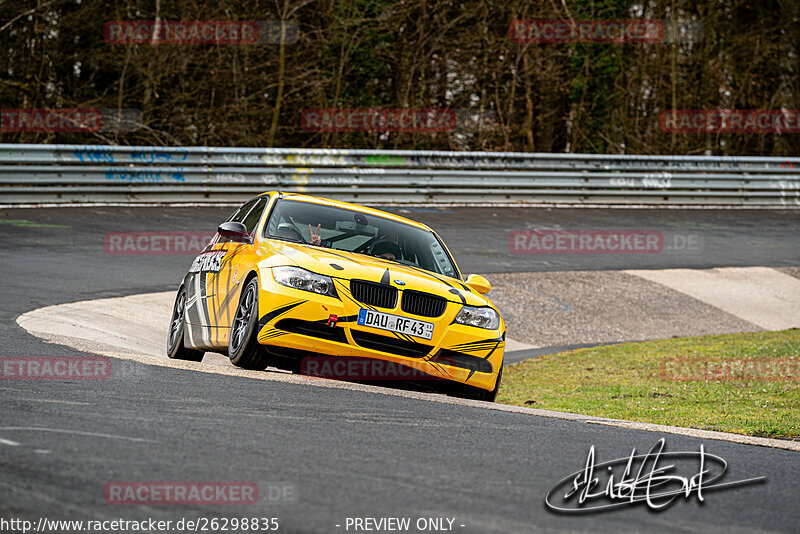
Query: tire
(243, 347)
(490, 396)
(176, 350)
(481, 394)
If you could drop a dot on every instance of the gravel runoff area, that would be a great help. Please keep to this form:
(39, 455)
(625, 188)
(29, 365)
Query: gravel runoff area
(541, 309)
(561, 308)
(547, 309)
(791, 271)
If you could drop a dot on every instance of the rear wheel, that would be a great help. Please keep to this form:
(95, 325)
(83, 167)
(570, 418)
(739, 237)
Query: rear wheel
(175, 347)
(243, 347)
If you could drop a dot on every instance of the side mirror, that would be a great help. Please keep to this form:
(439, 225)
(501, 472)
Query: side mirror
(235, 231)
(479, 283)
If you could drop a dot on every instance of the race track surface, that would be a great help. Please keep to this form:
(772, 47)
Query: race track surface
(348, 453)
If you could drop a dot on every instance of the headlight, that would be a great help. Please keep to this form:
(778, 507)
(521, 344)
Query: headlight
(480, 317)
(306, 280)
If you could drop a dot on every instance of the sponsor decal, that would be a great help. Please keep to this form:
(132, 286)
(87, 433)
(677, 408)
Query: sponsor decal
(208, 262)
(332, 320)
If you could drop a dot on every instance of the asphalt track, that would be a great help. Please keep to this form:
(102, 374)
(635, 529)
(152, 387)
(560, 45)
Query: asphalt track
(348, 453)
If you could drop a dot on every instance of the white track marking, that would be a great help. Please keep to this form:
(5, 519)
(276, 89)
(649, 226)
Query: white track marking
(75, 432)
(54, 401)
(8, 442)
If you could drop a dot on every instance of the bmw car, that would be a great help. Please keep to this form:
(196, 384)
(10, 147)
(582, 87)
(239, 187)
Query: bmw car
(291, 278)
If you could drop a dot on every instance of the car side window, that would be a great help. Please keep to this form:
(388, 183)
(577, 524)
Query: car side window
(241, 213)
(251, 219)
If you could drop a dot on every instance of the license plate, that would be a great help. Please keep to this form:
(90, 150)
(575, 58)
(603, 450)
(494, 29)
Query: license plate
(394, 323)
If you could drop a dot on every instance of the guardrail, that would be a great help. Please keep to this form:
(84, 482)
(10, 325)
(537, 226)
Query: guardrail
(88, 173)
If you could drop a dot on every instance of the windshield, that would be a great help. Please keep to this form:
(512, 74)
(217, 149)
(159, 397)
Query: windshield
(353, 231)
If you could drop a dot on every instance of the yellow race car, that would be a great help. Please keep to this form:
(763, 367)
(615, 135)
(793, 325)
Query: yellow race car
(333, 289)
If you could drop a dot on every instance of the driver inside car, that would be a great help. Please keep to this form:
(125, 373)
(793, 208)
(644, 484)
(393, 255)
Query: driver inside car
(288, 231)
(314, 238)
(387, 250)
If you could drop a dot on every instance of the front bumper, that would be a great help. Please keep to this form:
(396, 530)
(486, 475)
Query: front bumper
(298, 320)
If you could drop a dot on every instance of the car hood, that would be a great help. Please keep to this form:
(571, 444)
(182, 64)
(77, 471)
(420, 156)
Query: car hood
(349, 265)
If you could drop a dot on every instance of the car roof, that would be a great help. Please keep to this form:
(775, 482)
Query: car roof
(349, 206)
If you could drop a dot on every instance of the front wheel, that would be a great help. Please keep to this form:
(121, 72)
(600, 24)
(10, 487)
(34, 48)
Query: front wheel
(471, 392)
(490, 396)
(176, 350)
(243, 348)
